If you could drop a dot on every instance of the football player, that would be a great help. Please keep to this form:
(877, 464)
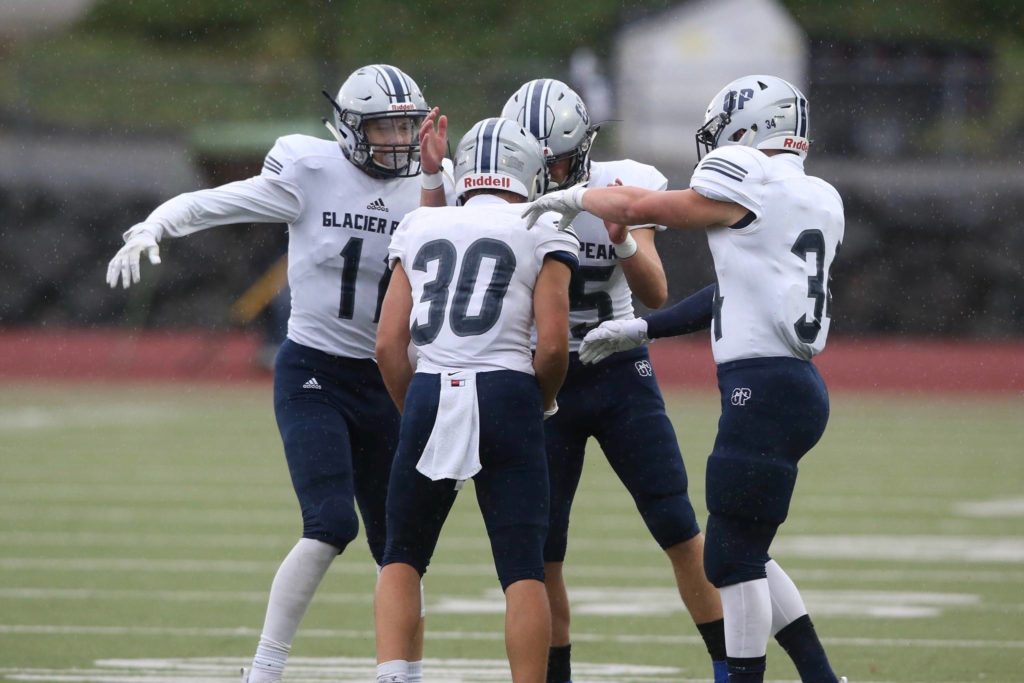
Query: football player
(774, 233)
(468, 285)
(635, 433)
(342, 201)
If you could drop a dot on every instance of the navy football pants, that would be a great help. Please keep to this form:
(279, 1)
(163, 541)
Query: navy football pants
(339, 427)
(773, 412)
(511, 488)
(618, 402)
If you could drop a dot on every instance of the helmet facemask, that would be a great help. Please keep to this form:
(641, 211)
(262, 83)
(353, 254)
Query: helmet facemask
(579, 166)
(377, 116)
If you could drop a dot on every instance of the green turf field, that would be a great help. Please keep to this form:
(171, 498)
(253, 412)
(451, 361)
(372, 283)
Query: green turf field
(140, 529)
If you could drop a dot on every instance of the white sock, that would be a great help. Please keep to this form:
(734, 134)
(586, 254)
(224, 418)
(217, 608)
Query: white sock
(747, 608)
(290, 594)
(787, 605)
(415, 672)
(395, 671)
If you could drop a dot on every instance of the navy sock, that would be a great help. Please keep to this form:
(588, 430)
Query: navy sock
(713, 633)
(800, 641)
(747, 669)
(559, 668)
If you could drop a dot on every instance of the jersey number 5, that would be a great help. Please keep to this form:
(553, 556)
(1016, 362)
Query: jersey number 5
(467, 296)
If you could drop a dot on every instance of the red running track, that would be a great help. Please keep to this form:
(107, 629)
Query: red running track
(204, 356)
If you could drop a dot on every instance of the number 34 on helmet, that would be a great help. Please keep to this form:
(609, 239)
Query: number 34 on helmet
(763, 112)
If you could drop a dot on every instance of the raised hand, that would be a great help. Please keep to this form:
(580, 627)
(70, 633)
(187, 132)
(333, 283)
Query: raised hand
(433, 140)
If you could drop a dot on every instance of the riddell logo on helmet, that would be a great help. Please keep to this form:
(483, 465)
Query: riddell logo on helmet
(401, 106)
(790, 143)
(487, 181)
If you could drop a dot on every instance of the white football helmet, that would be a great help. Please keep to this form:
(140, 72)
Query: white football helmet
(556, 116)
(499, 154)
(763, 112)
(374, 93)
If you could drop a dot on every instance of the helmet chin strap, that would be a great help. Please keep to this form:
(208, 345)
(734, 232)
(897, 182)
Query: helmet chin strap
(334, 132)
(748, 138)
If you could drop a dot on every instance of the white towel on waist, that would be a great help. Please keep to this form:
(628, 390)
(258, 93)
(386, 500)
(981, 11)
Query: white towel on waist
(453, 448)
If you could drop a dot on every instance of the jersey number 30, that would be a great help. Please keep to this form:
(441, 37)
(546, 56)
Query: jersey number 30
(436, 292)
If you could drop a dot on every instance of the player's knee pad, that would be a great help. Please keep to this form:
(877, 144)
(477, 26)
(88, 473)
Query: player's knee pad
(670, 519)
(736, 550)
(518, 553)
(333, 521)
(750, 488)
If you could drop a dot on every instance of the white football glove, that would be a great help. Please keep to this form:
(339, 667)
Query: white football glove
(125, 264)
(611, 337)
(567, 203)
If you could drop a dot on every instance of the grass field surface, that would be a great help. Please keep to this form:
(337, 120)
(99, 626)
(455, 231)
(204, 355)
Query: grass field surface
(140, 528)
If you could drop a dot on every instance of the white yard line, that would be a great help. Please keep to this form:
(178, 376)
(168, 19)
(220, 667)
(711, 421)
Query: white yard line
(352, 634)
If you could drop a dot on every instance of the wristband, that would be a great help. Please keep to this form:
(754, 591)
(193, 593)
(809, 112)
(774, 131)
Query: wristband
(431, 181)
(627, 248)
(552, 411)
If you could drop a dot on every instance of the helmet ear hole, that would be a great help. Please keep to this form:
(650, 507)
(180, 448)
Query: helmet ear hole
(735, 137)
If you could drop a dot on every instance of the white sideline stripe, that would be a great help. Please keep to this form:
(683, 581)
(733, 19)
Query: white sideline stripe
(589, 600)
(316, 670)
(1005, 507)
(37, 418)
(268, 567)
(912, 548)
(168, 595)
(578, 571)
(636, 639)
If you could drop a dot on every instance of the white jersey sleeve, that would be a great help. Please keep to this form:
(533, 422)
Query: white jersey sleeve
(562, 245)
(732, 174)
(399, 241)
(267, 198)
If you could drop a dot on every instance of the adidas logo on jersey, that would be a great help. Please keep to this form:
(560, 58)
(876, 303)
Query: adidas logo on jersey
(312, 384)
(377, 205)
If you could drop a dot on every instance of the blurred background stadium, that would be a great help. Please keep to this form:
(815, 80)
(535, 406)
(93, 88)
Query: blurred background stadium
(108, 107)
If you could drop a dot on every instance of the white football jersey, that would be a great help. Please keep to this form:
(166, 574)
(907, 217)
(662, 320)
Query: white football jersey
(599, 290)
(340, 222)
(773, 266)
(473, 270)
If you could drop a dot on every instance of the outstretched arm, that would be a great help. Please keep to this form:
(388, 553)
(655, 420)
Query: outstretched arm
(626, 205)
(684, 209)
(693, 313)
(256, 200)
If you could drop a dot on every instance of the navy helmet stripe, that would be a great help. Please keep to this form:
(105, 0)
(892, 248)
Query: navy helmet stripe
(803, 117)
(396, 83)
(536, 107)
(796, 107)
(495, 138)
(486, 143)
